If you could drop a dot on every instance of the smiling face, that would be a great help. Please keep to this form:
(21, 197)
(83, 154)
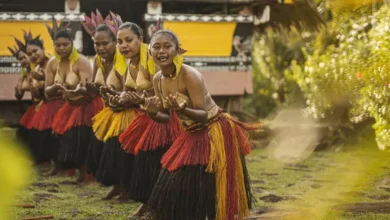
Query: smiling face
(163, 50)
(23, 59)
(104, 44)
(128, 43)
(35, 53)
(63, 47)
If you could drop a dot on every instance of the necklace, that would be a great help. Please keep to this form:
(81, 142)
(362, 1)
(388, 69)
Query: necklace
(173, 73)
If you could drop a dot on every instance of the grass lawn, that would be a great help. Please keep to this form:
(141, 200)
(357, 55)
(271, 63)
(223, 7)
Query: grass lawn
(346, 183)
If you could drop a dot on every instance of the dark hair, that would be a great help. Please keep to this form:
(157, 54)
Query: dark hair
(133, 27)
(37, 42)
(63, 33)
(171, 34)
(104, 27)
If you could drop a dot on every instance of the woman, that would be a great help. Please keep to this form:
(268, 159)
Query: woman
(204, 173)
(41, 136)
(67, 73)
(114, 119)
(146, 139)
(108, 67)
(23, 85)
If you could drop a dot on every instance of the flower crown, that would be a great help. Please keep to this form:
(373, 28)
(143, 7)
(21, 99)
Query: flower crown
(20, 46)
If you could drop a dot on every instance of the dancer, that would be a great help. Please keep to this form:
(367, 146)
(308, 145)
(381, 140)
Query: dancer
(23, 85)
(204, 173)
(108, 68)
(67, 72)
(146, 139)
(42, 139)
(114, 119)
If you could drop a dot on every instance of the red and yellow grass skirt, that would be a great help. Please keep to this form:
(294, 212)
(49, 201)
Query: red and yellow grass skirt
(204, 173)
(70, 115)
(148, 141)
(114, 163)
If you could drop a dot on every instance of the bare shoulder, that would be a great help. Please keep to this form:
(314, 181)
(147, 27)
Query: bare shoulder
(156, 77)
(83, 60)
(191, 74)
(52, 63)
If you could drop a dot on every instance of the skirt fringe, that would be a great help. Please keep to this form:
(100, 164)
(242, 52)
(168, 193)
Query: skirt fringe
(44, 117)
(70, 116)
(141, 135)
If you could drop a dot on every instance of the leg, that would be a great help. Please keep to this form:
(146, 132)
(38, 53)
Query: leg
(116, 190)
(82, 174)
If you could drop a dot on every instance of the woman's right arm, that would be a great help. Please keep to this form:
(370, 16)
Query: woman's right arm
(19, 92)
(51, 89)
(162, 116)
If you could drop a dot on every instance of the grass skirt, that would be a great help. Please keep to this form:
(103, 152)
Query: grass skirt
(42, 139)
(204, 173)
(95, 148)
(73, 124)
(148, 141)
(114, 164)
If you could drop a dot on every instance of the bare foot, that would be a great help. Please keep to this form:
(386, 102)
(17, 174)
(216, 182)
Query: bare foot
(140, 211)
(115, 191)
(123, 196)
(82, 174)
(54, 171)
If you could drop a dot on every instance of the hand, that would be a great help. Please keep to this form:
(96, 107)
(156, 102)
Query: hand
(18, 96)
(59, 86)
(77, 91)
(153, 104)
(105, 89)
(125, 99)
(138, 99)
(92, 87)
(113, 99)
(174, 105)
(37, 76)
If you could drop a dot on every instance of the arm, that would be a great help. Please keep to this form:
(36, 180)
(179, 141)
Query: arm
(91, 86)
(51, 89)
(162, 116)
(195, 87)
(19, 92)
(85, 73)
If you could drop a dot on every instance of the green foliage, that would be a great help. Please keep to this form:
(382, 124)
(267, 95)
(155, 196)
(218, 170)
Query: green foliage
(273, 52)
(350, 69)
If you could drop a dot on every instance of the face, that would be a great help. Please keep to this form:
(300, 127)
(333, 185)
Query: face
(128, 43)
(35, 54)
(104, 44)
(23, 59)
(63, 47)
(163, 50)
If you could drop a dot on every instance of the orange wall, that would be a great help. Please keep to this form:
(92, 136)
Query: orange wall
(9, 28)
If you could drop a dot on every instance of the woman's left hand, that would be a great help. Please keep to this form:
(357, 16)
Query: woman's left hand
(174, 105)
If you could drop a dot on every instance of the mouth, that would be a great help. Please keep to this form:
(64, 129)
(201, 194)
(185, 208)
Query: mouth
(162, 58)
(125, 52)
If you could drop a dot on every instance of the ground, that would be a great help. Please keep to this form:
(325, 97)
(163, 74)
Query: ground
(344, 182)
